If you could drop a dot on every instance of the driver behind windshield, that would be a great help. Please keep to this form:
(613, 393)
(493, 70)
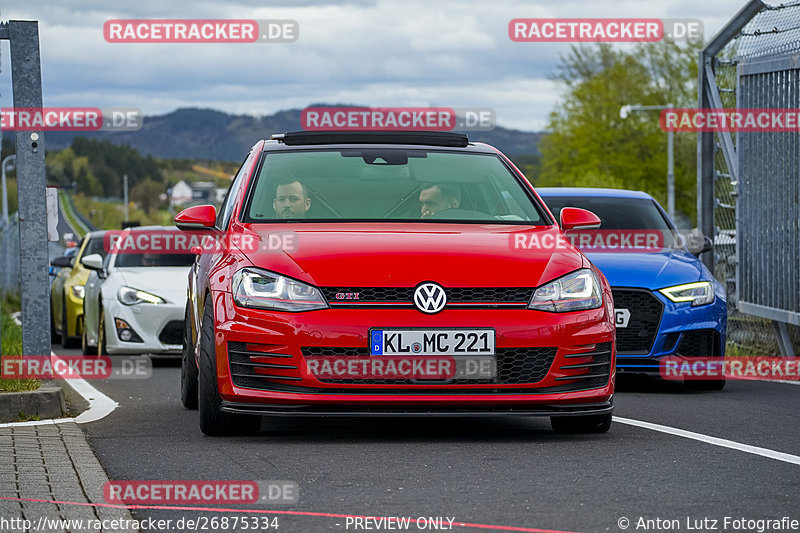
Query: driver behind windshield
(291, 199)
(438, 197)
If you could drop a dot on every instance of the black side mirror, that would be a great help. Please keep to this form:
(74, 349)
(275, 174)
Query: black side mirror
(62, 262)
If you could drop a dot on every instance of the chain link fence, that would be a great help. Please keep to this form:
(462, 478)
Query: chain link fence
(760, 263)
(9, 256)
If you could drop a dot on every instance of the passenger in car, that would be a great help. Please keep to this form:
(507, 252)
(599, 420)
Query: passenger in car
(438, 197)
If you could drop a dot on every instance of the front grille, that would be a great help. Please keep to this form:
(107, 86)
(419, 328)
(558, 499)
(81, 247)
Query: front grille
(172, 333)
(253, 368)
(645, 318)
(404, 296)
(697, 343)
(515, 366)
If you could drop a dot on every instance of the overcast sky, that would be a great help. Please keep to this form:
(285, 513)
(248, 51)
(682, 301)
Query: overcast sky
(451, 53)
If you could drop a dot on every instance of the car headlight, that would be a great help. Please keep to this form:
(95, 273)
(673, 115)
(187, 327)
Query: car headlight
(131, 296)
(78, 291)
(700, 293)
(574, 292)
(262, 289)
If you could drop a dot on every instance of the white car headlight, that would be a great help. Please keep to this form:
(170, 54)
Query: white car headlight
(263, 289)
(700, 293)
(574, 292)
(131, 296)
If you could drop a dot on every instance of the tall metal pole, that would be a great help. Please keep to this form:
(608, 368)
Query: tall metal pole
(125, 194)
(671, 171)
(623, 114)
(26, 80)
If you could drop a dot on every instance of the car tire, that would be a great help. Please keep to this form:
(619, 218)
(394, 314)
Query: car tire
(213, 421)
(704, 384)
(581, 424)
(66, 340)
(55, 338)
(188, 367)
(101, 333)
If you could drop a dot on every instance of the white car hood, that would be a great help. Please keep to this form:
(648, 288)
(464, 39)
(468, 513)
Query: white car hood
(170, 283)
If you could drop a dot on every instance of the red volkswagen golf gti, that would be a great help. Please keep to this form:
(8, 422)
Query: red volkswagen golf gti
(351, 273)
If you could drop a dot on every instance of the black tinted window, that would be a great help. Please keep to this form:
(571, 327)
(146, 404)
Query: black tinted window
(614, 213)
(154, 260)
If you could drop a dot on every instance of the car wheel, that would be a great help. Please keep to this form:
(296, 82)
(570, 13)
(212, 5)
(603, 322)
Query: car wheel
(704, 384)
(66, 340)
(101, 334)
(188, 367)
(581, 424)
(213, 421)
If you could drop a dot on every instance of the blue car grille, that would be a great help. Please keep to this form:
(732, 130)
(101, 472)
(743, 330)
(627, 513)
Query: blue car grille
(646, 311)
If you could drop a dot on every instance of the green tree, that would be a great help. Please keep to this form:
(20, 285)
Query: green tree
(589, 144)
(146, 194)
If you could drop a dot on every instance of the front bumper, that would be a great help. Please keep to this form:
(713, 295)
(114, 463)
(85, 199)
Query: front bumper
(681, 331)
(158, 326)
(281, 342)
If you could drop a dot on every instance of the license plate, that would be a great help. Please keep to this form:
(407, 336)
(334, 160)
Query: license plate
(621, 317)
(431, 341)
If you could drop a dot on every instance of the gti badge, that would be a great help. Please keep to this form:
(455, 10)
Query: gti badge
(347, 295)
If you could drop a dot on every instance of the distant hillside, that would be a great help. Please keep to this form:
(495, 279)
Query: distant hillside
(192, 133)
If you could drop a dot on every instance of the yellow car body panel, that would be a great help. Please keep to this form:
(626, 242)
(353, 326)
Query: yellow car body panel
(63, 296)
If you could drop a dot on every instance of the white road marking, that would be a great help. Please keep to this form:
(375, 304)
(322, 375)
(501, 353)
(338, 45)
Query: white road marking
(100, 405)
(724, 443)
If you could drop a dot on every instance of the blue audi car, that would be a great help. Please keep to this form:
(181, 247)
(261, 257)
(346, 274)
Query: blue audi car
(666, 301)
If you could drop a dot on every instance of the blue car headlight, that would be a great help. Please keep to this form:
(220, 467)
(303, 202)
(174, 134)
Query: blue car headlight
(699, 293)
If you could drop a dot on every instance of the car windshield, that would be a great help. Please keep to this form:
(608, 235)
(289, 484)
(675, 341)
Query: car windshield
(369, 184)
(95, 246)
(628, 214)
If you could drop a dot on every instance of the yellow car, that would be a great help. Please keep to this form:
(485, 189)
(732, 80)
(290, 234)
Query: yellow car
(66, 292)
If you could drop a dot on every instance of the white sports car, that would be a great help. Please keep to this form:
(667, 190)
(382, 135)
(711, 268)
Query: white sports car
(135, 300)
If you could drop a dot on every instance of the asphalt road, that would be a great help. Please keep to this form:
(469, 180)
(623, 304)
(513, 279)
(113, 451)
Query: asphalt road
(494, 471)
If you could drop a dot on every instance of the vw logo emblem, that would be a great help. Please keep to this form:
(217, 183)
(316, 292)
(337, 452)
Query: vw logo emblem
(430, 298)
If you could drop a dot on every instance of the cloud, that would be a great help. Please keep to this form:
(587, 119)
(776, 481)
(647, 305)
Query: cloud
(370, 52)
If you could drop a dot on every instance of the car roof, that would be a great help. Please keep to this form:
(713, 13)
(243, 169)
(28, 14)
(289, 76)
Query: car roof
(409, 140)
(593, 192)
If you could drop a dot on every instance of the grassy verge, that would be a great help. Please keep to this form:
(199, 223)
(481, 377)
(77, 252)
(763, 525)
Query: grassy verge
(12, 344)
(72, 220)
